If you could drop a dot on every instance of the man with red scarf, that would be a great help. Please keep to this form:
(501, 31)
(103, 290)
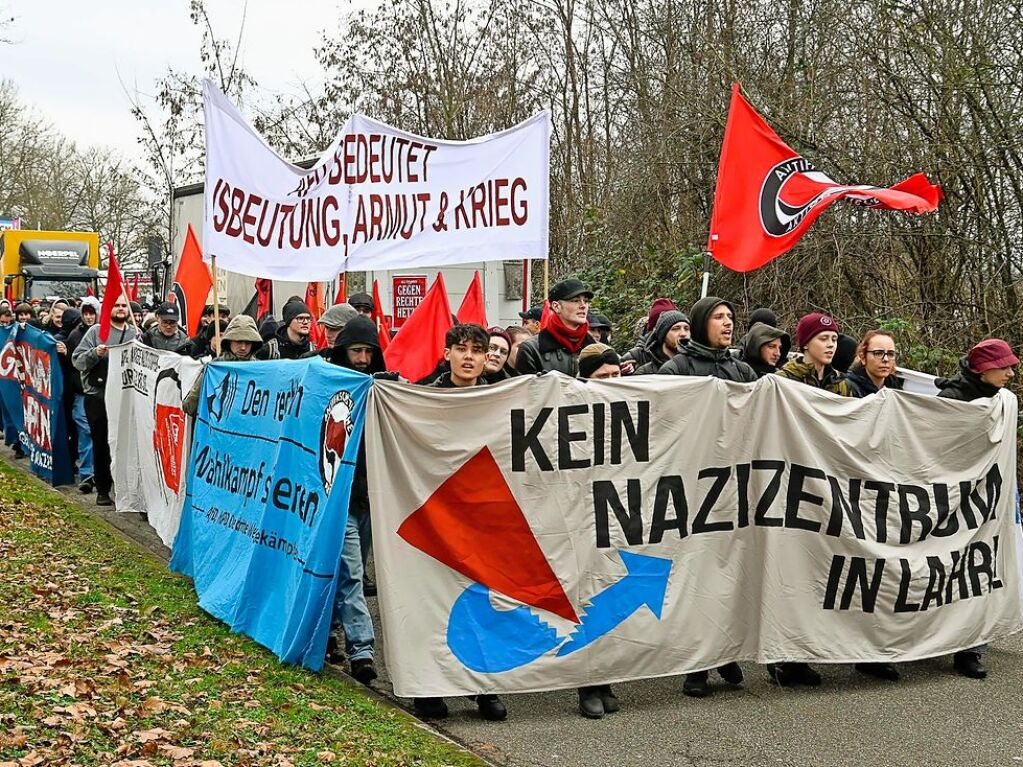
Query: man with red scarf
(557, 345)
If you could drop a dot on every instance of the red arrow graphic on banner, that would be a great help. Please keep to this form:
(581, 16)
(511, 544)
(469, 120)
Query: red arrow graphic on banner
(473, 524)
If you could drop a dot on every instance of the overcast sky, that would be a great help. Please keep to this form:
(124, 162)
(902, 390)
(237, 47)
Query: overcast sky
(69, 57)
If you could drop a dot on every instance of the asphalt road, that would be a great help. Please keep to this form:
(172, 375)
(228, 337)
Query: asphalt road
(930, 717)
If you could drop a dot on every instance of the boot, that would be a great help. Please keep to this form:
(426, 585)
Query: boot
(363, 670)
(731, 673)
(793, 674)
(695, 685)
(590, 704)
(430, 708)
(968, 664)
(608, 699)
(885, 671)
(491, 708)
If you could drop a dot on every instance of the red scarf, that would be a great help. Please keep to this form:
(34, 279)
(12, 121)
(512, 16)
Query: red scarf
(572, 340)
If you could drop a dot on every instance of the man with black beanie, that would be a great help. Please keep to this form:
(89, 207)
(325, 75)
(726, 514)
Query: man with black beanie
(291, 340)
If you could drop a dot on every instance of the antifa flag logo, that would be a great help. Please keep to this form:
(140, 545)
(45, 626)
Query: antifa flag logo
(334, 433)
(793, 188)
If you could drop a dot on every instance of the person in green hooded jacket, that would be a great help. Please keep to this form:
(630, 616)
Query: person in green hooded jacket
(817, 336)
(238, 343)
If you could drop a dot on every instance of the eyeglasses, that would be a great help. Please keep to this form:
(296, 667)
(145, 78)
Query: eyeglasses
(883, 354)
(495, 349)
(305, 318)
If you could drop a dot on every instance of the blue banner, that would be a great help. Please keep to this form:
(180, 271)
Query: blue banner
(31, 388)
(273, 456)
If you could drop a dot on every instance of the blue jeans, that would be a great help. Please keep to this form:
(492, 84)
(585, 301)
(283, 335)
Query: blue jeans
(84, 438)
(350, 609)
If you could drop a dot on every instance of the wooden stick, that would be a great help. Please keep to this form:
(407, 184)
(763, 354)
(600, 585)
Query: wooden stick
(216, 305)
(546, 276)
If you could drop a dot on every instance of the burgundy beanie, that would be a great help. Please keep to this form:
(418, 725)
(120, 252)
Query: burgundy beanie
(660, 306)
(498, 331)
(812, 324)
(991, 354)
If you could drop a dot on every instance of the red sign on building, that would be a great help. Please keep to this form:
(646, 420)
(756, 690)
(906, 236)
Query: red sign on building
(408, 293)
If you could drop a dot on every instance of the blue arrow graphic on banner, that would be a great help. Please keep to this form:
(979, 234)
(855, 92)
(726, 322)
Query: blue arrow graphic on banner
(645, 584)
(491, 641)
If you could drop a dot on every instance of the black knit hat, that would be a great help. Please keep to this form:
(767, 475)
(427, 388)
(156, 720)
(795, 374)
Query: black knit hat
(293, 309)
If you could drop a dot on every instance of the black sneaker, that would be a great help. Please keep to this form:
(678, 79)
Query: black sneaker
(968, 664)
(491, 708)
(363, 670)
(430, 708)
(885, 671)
(18, 452)
(590, 704)
(731, 673)
(609, 699)
(695, 685)
(793, 674)
(87, 486)
(103, 499)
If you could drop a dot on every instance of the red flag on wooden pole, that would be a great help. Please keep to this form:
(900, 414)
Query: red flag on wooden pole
(115, 289)
(192, 283)
(767, 195)
(419, 345)
(474, 308)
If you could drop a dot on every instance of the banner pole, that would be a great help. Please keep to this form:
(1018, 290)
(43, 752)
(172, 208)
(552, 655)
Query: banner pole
(546, 276)
(706, 275)
(216, 304)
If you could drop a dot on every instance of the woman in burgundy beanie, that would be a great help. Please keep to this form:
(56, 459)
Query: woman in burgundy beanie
(985, 370)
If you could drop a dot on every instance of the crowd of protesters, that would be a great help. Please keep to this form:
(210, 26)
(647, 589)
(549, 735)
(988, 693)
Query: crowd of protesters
(567, 337)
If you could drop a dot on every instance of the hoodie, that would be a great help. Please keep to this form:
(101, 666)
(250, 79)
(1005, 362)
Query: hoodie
(655, 355)
(965, 387)
(360, 330)
(862, 385)
(699, 358)
(751, 343)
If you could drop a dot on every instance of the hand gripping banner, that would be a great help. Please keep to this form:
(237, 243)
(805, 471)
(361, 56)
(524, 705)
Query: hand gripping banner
(551, 533)
(271, 471)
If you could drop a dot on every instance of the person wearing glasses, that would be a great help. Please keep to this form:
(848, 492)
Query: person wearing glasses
(874, 369)
(291, 340)
(498, 366)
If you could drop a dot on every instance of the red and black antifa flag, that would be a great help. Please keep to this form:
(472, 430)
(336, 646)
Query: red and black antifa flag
(767, 196)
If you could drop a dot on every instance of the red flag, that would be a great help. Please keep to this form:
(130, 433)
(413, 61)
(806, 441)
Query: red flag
(116, 288)
(378, 316)
(264, 298)
(419, 345)
(767, 196)
(192, 284)
(342, 289)
(133, 291)
(88, 291)
(314, 300)
(474, 308)
(545, 315)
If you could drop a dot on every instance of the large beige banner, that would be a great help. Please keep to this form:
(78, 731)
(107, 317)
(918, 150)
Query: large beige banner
(549, 533)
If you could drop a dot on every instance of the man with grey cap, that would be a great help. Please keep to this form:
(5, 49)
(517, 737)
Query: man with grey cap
(557, 346)
(166, 334)
(362, 303)
(334, 320)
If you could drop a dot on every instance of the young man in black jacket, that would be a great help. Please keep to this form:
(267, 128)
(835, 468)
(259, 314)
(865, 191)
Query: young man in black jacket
(557, 346)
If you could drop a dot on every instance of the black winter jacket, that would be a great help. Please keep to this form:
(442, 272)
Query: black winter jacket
(862, 386)
(543, 353)
(698, 358)
(966, 386)
(280, 347)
